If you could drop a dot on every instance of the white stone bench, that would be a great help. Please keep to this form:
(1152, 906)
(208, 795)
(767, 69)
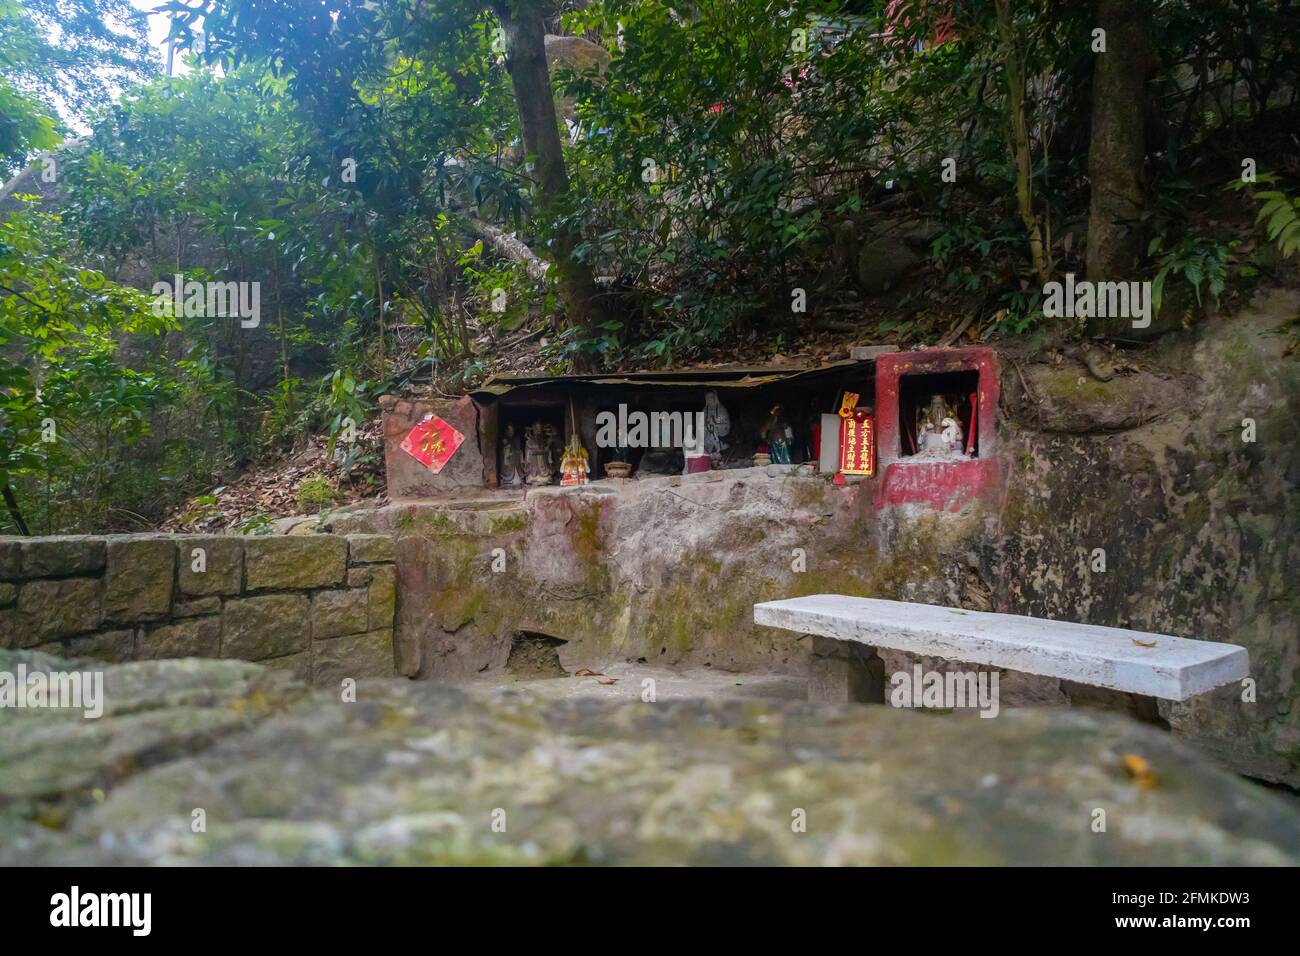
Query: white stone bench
(847, 630)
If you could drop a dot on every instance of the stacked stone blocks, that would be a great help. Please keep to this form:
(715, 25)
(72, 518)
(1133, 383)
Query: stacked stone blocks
(319, 605)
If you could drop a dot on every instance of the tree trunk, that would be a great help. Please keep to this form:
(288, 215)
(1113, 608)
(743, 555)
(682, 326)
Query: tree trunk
(11, 503)
(504, 244)
(1014, 71)
(1118, 148)
(525, 36)
(284, 339)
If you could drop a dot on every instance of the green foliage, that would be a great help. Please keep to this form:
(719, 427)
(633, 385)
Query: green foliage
(1279, 213)
(315, 493)
(703, 155)
(63, 57)
(365, 166)
(499, 291)
(67, 406)
(75, 53)
(259, 524)
(25, 127)
(1199, 260)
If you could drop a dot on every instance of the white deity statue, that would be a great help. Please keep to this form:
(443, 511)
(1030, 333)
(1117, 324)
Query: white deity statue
(939, 435)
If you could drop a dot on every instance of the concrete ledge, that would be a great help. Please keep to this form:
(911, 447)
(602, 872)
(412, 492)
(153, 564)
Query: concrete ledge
(1172, 668)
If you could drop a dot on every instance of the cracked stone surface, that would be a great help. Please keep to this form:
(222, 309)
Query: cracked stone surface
(416, 773)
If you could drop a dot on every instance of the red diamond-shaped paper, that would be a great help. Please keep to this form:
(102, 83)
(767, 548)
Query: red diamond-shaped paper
(432, 443)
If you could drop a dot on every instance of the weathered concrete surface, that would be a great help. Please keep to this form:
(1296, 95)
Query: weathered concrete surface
(415, 773)
(666, 569)
(1137, 662)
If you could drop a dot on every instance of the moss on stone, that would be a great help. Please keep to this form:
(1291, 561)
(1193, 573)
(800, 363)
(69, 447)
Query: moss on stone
(1064, 386)
(587, 538)
(507, 523)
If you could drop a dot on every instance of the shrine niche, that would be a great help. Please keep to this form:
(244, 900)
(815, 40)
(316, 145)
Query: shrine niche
(936, 427)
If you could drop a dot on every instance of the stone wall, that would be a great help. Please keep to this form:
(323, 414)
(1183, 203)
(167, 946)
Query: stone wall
(321, 606)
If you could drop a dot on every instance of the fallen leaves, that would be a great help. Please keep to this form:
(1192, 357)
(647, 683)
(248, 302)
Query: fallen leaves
(1144, 643)
(1139, 768)
(600, 677)
(270, 490)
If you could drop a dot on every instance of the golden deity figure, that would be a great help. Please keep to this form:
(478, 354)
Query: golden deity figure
(574, 465)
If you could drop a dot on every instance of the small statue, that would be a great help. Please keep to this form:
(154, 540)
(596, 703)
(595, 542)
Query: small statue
(778, 435)
(537, 456)
(574, 466)
(938, 434)
(717, 423)
(511, 471)
(554, 447)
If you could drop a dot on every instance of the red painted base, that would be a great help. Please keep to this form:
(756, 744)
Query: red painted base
(942, 485)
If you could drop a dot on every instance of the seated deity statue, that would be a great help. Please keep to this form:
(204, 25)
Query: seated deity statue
(939, 433)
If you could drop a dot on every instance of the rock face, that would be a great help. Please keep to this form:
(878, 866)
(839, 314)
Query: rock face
(1195, 522)
(883, 263)
(413, 773)
(1071, 401)
(576, 53)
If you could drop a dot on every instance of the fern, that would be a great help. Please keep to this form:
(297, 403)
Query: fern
(1199, 261)
(1281, 211)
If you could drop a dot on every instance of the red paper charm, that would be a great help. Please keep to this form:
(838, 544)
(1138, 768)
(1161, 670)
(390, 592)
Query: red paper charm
(432, 443)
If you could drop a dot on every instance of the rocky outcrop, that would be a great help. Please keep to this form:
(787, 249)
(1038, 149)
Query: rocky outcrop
(576, 53)
(222, 762)
(1192, 515)
(1069, 400)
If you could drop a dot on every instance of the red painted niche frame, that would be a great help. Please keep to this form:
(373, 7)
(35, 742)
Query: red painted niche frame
(942, 485)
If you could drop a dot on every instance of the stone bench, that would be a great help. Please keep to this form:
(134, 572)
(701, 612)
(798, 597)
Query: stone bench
(846, 632)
